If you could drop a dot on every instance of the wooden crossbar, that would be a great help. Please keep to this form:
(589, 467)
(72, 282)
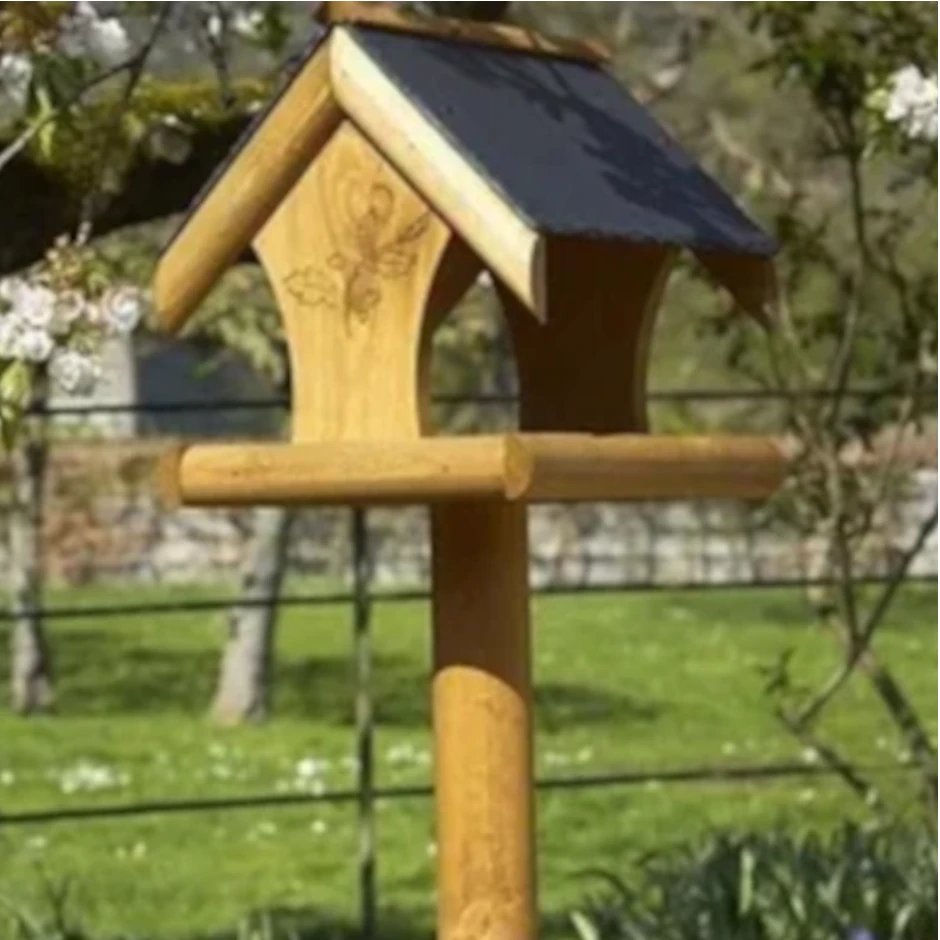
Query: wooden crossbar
(510, 467)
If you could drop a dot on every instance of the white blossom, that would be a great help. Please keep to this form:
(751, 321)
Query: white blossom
(911, 103)
(10, 330)
(214, 26)
(248, 23)
(73, 371)
(122, 309)
(170, 139)
(85, 34)
(69, 309)
(32, 305)
(33, 345)
(16, 73)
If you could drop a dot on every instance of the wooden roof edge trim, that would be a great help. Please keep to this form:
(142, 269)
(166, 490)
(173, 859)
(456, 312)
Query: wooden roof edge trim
(507, 242)
(500, 35)
(301, 121)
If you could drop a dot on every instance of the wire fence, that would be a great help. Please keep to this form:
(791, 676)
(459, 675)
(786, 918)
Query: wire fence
(365, 588)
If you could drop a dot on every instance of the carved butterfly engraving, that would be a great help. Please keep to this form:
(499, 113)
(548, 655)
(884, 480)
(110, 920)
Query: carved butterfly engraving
(374, 249)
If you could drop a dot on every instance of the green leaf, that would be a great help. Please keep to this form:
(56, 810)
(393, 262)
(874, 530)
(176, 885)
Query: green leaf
(16, 384)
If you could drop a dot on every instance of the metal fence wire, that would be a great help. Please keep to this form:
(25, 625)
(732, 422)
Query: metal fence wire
(373, 578)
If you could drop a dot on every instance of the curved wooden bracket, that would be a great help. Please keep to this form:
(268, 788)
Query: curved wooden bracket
(358, 263)
(585, 367)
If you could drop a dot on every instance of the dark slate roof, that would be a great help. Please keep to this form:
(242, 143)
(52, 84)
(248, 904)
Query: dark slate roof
(565, 144)
(561, 140)
(287, 76)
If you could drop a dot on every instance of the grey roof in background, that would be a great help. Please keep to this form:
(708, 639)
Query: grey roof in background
(565, 144)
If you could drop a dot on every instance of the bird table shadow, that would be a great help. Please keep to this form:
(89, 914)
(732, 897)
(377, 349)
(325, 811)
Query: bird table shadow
(100, 672)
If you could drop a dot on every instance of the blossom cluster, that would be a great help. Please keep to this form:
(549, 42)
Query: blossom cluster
(910, 103)
(81, 35)
(63, 329)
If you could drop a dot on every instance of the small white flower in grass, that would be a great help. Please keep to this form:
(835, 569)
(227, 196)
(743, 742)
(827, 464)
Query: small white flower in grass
(810, 755)
(16, 73)
(318, 827)
(122, 309)
(74, 372)
(309, 768)
(86, 775)
(7, 778)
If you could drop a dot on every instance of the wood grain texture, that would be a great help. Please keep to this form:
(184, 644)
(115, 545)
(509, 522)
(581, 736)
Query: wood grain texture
(363, 472)
(258, 180)
(631, 467)
(509, 467)
(353, 257)
(497, 233)
(584, 367)
(505, 36)
(482, 710)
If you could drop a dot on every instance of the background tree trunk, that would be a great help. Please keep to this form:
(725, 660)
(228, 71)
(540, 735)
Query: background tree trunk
(243, 689)
(30, 662)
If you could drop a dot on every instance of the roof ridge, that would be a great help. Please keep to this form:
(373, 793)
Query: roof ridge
(472, 32)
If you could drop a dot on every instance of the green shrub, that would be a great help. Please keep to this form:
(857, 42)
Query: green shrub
(858, 884)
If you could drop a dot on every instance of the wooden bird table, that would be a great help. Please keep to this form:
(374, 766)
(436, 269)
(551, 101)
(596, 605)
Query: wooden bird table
(399, 162)
(478, 489)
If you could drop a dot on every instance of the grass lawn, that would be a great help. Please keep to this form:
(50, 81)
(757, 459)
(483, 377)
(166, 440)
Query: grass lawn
(652, 680)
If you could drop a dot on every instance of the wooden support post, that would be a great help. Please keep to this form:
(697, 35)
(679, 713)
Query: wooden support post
(482, 703)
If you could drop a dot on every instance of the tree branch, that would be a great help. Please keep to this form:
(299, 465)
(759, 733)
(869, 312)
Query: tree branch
(39, 205)
(858, 648)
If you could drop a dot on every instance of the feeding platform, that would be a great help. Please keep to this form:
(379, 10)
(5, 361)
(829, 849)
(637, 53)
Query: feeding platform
(528, 468)
(400, 160)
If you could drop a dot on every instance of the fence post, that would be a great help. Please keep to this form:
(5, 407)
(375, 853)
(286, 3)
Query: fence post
(365, 777)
